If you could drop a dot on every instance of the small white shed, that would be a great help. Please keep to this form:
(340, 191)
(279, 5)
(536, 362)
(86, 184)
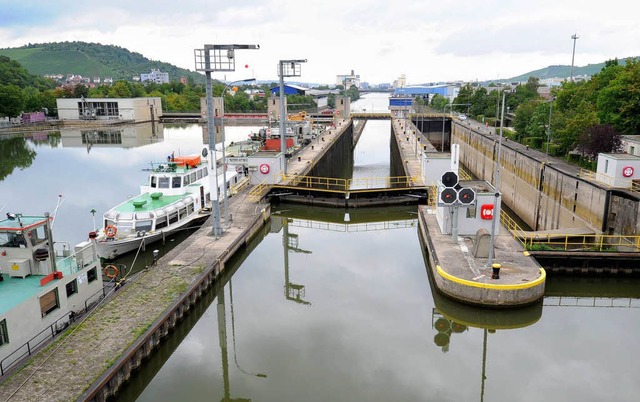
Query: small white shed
(618, 170)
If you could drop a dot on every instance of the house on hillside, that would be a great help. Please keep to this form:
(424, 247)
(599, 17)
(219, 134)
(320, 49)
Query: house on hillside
(155, 76)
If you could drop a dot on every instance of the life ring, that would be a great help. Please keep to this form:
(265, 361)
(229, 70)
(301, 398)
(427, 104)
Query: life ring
(110, 230)
(111, 271)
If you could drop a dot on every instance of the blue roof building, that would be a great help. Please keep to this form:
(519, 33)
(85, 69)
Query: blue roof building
(290, 90)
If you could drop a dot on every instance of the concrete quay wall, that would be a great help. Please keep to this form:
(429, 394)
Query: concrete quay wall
(544, 196)
(111, 380)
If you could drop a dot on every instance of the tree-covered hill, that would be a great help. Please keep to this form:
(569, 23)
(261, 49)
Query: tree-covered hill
(91, 60)
(561, 71)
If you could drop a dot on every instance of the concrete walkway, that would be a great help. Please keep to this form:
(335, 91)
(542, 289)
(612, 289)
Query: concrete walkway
(72, 362)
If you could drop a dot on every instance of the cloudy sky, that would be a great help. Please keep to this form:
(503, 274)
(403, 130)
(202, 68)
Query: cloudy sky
(426, 40)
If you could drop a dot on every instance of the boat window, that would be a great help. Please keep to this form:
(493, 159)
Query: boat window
(199, 174)
(92, 275)
(11, 239)
(143, 225)
(175, 181)
(125, 216)
(110, 215)
(186, 180)
(37, 235)
(183, 213)
(161, 223)
(205, 172)
(193, 177)
(173, 217)
(163, 182)
(72, 287)
(49, 302)
(4, 335)
(154, 182)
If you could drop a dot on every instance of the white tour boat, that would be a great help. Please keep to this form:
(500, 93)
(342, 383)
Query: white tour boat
(177, 195)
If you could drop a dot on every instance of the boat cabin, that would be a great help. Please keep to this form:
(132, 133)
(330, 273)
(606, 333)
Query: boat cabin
(41, 283)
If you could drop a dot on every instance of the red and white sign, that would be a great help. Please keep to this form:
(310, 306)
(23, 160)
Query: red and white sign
(486, 212)
(627, 171)
(264, 168)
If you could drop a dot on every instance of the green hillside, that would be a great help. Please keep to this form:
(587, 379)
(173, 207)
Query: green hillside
(90, 60)
(561, 72)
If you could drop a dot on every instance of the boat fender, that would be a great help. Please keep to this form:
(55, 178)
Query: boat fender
(110, 230)
(111, 271)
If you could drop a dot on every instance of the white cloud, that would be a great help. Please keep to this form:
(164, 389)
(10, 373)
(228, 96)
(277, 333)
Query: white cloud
(379, 40)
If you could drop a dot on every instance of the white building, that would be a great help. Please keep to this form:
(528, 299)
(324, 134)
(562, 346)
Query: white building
(128, 109)
(618, 170)
(155, 76)
(631, 144)
(348, 80)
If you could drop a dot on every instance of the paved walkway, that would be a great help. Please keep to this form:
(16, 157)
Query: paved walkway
(72, 362)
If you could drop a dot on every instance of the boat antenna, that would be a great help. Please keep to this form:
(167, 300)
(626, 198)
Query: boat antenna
(3, 207)
(55, 211)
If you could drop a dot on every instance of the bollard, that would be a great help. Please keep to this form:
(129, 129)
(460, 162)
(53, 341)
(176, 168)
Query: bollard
(299, 158)
(496, 271)
(312, 147)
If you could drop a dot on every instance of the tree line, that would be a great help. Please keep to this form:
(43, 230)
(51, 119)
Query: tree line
(23, 92)
(580, 120)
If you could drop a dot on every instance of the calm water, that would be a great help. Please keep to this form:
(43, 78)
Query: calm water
(347, 312)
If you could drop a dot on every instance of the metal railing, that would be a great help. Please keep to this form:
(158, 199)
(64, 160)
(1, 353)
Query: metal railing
(570, 241)
(338, 185)
(235, 189)
(354, 227)
(259, 191)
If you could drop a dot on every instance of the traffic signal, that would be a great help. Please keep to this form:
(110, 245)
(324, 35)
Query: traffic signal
(449, 179)
(448, 195)
(466, 196)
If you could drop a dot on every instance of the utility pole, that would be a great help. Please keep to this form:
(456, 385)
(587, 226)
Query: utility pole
(574, 37)
(210, 59)
(286, 68)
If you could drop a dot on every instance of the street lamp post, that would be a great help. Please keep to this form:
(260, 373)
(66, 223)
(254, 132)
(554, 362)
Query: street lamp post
(286, 68)
(210, 59)
(497, 188)
(224, 158)
(549, 128)
(443, 112)
(573, 54)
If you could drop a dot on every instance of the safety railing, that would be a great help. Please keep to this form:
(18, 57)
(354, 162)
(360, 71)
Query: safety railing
(569, 241)
(236, 188)
(588, 174)
(582, 242)
(259, 191)
(338, 185)
(512, 226)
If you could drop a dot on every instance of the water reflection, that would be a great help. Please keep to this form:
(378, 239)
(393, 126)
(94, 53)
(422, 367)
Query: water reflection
(91, 172)
(14, 154)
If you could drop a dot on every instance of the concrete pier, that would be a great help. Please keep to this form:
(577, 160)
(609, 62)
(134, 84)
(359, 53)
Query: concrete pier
(461, 276)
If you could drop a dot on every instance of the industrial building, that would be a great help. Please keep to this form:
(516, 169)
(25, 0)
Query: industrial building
(135, 110)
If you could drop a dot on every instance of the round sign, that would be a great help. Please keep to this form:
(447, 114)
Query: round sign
(264, 168)
(627, 171)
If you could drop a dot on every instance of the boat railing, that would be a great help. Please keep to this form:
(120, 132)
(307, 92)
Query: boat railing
(33, 344)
